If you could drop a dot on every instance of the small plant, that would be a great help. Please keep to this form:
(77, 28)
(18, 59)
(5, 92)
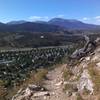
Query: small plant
(1, 83)
(68, 87)
(79, 97)
(67, 74)
(86, 92)
(3, 92)
(40, 76)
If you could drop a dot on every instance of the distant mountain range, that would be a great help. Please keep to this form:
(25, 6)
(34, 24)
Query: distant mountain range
(72, 24)
(57, 31)
(28, 27)
(53, 25)
(16, 22)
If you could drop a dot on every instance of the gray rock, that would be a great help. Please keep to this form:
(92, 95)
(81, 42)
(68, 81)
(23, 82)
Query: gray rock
(88, 48)
(38, 94)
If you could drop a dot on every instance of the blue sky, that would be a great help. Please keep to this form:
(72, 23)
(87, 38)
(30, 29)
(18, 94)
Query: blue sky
(84, 10)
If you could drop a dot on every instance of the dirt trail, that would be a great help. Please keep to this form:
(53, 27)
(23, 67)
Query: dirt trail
(54, 84)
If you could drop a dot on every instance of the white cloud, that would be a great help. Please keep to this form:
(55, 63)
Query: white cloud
(98, 20)
(35, 18)
(44, 18)
(97, 17)
(60, 16)
(85, 18)
(92, 20)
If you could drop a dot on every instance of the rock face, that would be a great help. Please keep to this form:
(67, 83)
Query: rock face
(85, 82)
(86, 70)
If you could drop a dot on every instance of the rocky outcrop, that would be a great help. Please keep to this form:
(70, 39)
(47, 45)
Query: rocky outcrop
(88, 48)
(86, 71)
(30, 91)
(85, 82)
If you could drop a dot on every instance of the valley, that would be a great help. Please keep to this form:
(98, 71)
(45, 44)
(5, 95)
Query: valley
(36, 61)
(17, 65)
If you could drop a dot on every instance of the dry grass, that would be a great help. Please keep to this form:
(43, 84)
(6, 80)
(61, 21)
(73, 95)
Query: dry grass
(68, 87)
(95, 75)
(35, 78)
(67, 74)
(79, 97)
(40, 76)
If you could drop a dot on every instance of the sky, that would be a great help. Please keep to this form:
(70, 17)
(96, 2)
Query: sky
(32, 10)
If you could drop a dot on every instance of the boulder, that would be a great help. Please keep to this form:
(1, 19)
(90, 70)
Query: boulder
(34, 87)
(38, 94)
(25, 94)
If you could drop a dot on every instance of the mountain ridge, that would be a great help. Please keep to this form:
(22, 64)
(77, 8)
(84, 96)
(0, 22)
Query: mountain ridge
(53, 25)
(72, 24)
(16, 22)
(29, 27)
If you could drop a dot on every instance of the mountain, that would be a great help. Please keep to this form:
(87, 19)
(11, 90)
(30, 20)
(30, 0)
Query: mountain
(35, 27)
(54, 25)
(1, 24)
(72, 24)
(29, 27)
(16, 22)
(41, 22)
(29, 34)
(2, 27)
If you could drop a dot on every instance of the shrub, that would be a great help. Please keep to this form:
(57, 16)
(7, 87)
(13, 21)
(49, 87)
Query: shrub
(79, 97)
(40, 76)
(3, 92)
(67, 74)
(68, 87)
(1, 83)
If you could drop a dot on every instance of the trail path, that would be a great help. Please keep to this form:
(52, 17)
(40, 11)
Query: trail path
(54, 84)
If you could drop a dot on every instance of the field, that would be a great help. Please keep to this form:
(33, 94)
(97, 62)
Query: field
(16, 66)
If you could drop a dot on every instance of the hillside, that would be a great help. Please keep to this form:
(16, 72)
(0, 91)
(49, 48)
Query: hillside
(53, 25)
(72, 24)
(80, 81)
(57, 31)
(16, 22)
(29, 27)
